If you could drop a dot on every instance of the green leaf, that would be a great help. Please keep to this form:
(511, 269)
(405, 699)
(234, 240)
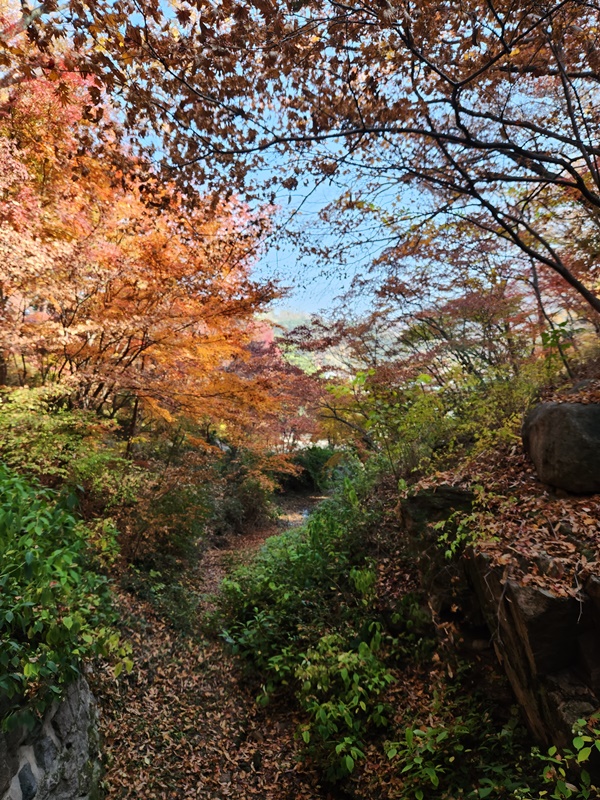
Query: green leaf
(432, 775)
(30, 670)
(585, 778)
(583, 754)
(349, 762)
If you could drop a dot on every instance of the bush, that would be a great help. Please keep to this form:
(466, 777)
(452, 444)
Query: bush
(316, 465)
(301, 616)
(339, 689)
(467, 757)
(42, 438)
(55, 611)
(299, 585)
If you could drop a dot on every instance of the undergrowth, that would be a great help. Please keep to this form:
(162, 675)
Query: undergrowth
(301, 617)
(306, 619)
(55, 608)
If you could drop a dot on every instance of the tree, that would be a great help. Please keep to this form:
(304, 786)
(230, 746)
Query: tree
(126, 300)
(484, 107)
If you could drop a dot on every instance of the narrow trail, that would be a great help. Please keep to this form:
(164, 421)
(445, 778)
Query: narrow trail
(184, 723)
(217, 561)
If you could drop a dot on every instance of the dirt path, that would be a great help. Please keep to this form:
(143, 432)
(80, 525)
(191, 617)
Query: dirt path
(216, 562)
(184, 723)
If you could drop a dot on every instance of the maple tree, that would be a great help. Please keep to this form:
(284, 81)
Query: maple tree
(114, 296)
(405, 379)
(485, 108)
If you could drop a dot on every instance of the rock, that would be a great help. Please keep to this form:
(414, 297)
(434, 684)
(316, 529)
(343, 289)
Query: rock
(547, 625)
(567, 700)
(548, 645)
(433, 505)
(45, 751)
(58, 759)
(589, 658)
(442, 579)
(9, 764)
(592, 590)
(27, 782)
(563, 441)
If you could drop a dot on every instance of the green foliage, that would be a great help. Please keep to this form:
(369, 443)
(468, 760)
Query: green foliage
(317, 465)
(463, 529)
(172, 597)
(299, 584)
(241, 492)
(408, 422)
(563, 774)
(418, 425)
(339, 689)
(490, 412)
(54, 610)
(42, 437)
(301, 616)
(558, 340)
(466, 755)
(412, 625)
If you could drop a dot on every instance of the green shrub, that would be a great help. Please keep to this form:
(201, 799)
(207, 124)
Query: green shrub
(339, 689)
(419, 425)
(44, 439)
(301, 616)
(465, 757)
(173, 599)
(55, 611)
(464, 753)
(242, 491)
(317, 465)
(299, 585)
(564, 775)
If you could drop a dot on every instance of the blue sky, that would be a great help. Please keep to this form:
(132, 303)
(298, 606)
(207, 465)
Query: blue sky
(314, 286)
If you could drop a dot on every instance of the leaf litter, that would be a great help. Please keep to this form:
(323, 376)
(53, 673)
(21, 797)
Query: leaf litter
(184, 723)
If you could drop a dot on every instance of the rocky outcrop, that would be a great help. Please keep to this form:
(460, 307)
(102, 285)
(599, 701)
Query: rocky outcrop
(563, 441)
(548, 645)
(59, 759)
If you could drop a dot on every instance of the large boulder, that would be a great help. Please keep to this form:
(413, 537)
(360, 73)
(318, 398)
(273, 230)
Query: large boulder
(563, 441)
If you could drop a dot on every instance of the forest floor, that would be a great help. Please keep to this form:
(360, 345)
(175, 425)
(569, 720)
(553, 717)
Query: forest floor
(184, 723)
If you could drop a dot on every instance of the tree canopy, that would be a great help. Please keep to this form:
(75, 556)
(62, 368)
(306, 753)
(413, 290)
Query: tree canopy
(488, 109)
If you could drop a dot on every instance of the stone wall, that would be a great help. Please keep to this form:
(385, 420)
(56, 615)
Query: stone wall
(59, 759)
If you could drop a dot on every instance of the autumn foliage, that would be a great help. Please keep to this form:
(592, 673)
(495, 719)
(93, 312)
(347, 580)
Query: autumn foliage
(120, 295)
